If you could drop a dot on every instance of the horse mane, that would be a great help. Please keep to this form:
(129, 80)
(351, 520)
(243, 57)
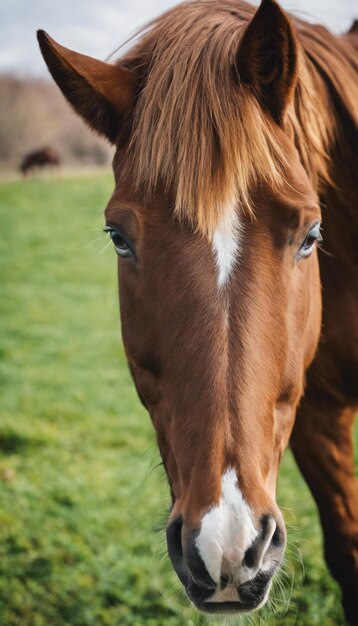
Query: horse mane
(200, 133)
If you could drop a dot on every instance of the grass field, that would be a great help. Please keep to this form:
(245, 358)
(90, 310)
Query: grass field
(82, 497)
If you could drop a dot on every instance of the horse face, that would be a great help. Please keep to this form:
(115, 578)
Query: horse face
(218, 336)
(219, 325)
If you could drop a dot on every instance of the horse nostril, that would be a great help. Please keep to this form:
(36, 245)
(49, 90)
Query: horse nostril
(270, 535)
(175, 549)
(186, 559)
(278, 538)
(196, 564)
(250, 557)
(174, 538)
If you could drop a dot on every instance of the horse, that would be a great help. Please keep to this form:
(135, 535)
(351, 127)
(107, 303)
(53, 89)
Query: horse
(44, 157)
(236, 132)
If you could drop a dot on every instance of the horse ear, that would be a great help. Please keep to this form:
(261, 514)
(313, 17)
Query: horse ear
(267, 58)
(100, 92)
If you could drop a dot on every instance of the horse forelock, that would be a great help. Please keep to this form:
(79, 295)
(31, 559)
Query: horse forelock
(200, 132)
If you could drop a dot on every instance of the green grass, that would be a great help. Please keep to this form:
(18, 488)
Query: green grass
(82, 497)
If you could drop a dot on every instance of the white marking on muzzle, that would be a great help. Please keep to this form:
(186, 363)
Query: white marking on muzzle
(226, 245)
(227, 530)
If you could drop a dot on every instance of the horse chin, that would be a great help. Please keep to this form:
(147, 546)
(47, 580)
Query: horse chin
(228, 600)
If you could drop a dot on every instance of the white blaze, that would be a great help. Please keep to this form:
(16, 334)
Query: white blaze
(227, 531)
(226, 245)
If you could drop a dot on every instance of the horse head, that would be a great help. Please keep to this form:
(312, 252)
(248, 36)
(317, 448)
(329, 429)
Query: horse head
(215, 221)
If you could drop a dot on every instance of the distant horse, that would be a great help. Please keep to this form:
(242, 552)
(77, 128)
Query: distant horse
(46, 157)
(236, 138)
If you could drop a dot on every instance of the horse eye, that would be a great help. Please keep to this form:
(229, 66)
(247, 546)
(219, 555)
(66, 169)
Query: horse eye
(314, 236)
(120, 245)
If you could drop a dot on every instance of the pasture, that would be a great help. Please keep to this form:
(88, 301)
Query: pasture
(83, 498)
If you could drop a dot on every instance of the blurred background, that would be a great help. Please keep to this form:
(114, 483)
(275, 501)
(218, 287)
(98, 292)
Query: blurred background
(83, 497)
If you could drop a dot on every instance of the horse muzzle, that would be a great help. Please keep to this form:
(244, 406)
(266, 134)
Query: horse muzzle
(229, 575)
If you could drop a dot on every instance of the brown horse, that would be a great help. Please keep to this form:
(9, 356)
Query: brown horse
(45, 157)
(236, 135)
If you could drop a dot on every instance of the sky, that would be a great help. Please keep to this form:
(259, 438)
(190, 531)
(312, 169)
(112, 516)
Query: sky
(97, 27)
